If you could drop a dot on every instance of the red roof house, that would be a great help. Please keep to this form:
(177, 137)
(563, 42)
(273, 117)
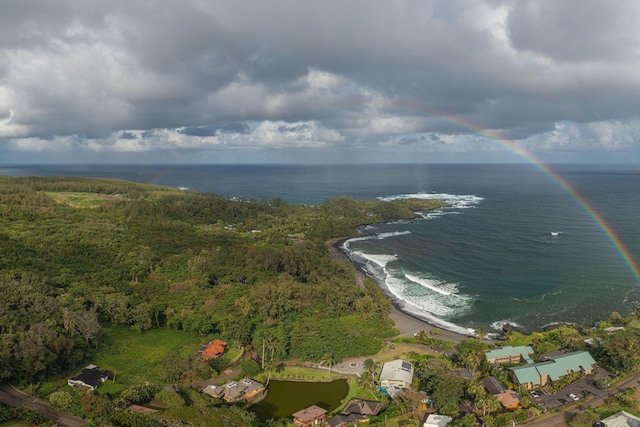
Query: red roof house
(213, 350)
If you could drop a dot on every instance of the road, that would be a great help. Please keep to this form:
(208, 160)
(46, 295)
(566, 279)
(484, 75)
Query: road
(596, 400)
(14, 397)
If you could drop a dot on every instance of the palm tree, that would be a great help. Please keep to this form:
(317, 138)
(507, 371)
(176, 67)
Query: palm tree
(329, 359)
(270, 366)
(370, 366)
(475, 389)
(488, 403)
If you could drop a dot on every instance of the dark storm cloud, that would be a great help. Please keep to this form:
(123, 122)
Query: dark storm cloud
(576, 30)
(190, 72)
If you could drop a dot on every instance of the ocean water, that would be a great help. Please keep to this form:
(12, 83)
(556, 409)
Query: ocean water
(514, 247)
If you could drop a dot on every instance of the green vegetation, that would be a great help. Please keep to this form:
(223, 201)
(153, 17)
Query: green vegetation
(135, 277)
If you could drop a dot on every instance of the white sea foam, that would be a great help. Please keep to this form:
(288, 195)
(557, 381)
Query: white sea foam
(379, 260)
(497, 325)
(457, 201)
(435, 285)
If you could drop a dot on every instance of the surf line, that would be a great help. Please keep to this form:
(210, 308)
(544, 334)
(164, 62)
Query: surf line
(599, 220)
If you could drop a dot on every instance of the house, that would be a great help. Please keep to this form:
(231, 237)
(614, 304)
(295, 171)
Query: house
(245, 389)
(620, 419)
(362, 407)
(508, 398)
(213, 350)
(397, 373)
(434, 420)
(357, 410)
(554, 368)
(311, 416)
(511, 355)
(492, 385)
(90, 377)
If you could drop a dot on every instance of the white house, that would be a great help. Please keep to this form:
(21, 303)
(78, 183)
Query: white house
(397, 373)
(434, 420)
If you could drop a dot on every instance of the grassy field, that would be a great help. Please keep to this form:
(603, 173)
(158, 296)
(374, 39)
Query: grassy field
(82, 200)
(135, 357)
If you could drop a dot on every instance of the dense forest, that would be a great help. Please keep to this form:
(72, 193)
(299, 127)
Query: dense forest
(86, 262)
(78, 255)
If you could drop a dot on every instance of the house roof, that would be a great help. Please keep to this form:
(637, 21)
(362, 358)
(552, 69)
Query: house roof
(397, 370)
(362, 407)
(309, 414)
(213, 350)
(339, 420)
(492, 385)
(523, 351)
(621, 419)
(435, 420)
(91, 376)
(556, 367)
(508, 398)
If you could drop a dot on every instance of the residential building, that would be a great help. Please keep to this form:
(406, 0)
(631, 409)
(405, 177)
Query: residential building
(434, 420)
(213, 350)
(311, 416)
(508, 398)
(556, 367)
(620, 419)
(357, 410)
(511, 355)
(90, 377)
(245, 389)
(492, 385)
(397, 373)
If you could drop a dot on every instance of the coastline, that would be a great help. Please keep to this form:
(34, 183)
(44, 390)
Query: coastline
(406, 323)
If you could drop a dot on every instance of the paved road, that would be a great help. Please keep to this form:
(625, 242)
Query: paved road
(13, 397)
(596, 399)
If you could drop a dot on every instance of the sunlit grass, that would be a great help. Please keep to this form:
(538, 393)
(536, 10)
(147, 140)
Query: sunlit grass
(80, 199)
(136, 357)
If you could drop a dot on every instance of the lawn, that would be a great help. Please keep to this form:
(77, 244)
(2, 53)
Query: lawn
(135, 357)
(81, 200)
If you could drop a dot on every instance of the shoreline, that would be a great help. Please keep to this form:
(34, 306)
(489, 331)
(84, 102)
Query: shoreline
(406, 323)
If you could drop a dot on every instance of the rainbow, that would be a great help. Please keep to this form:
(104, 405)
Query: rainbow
(598, 219)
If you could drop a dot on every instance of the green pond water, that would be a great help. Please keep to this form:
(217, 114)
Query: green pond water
(286, 397)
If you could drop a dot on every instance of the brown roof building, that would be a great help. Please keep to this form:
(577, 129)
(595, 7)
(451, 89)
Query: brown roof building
(509, 399)
(357, 410)
(213, 350)
(311, 416)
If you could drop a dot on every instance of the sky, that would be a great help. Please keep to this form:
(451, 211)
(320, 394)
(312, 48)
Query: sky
(290, 81)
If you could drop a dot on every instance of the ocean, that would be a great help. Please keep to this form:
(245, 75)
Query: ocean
(514, 247)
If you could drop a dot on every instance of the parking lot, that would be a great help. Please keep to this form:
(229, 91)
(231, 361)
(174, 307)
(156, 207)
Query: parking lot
(580, 389)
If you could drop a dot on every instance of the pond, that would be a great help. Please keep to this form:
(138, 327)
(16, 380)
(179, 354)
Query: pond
(286, 397)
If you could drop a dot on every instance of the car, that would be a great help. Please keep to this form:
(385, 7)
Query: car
(535, 395)
(563, 401)
(573, 397)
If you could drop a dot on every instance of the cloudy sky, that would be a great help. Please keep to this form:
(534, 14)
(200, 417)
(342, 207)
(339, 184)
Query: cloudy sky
(232, 81)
